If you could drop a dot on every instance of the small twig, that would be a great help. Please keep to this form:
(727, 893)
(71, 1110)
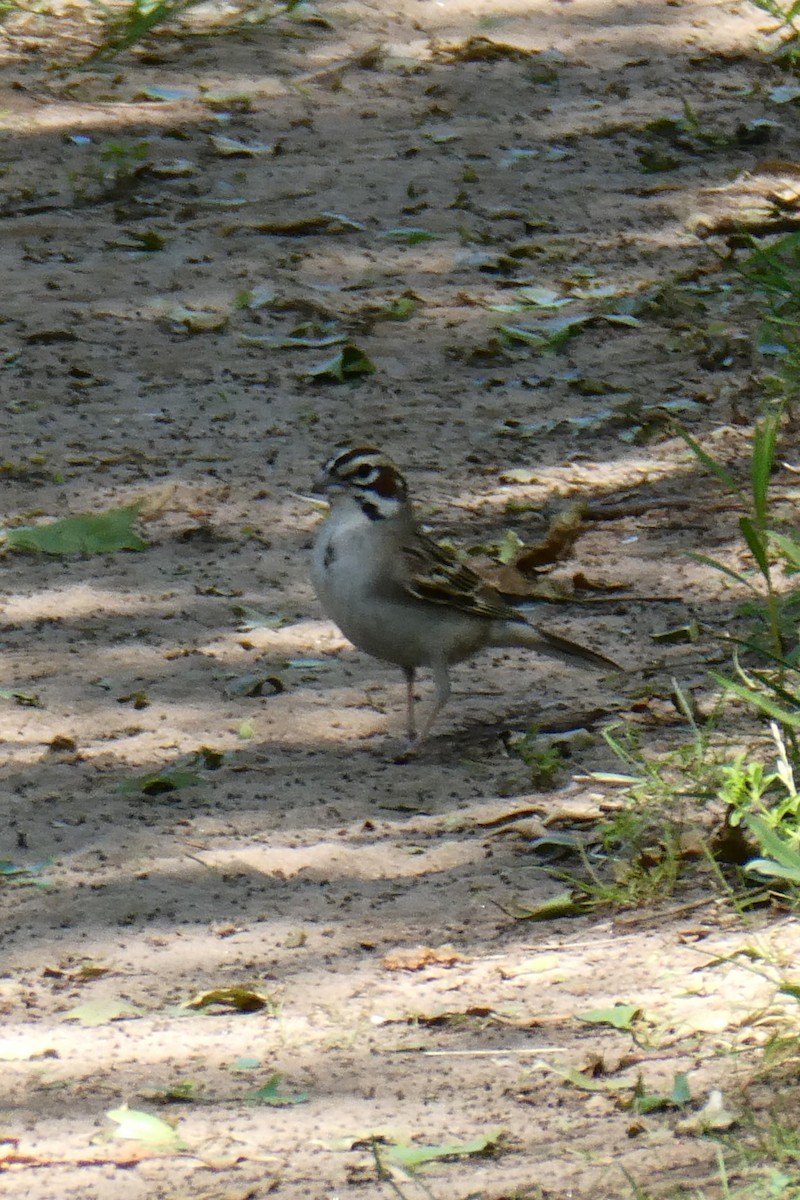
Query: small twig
(521, 1050)
(661, 914)
(600, 511)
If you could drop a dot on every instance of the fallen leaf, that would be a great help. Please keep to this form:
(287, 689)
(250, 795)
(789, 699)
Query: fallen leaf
(137, 1126)
(101, 1012)
(349, 363)
(269, 1094)
(421, 956)
(104, 533)
(411, 1157)
(621, 1016)
(713, 1116)
(241, 999)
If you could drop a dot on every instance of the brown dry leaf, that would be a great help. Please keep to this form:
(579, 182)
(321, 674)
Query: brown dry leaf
(482, 49)
(513, 814)
(421, 956)
(510, 581)
(565, 529)
(582, 582)
(529, 829)
(765, 200)
(712, 1116)
(515, 1016)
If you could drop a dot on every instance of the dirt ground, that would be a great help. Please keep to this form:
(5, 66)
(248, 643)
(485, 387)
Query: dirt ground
(306, 863)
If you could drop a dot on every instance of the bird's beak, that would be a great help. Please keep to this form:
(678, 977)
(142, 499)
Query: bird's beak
(323, 485)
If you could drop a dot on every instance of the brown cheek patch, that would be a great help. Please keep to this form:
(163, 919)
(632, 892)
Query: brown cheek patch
(387, 483)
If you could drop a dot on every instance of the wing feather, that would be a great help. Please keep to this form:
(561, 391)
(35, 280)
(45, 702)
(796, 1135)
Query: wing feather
(435, 574)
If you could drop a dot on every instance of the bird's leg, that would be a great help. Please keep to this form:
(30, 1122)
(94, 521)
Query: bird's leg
(441, 680)
(411, 724)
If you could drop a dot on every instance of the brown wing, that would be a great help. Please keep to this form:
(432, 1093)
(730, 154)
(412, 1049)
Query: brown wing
(436, 575)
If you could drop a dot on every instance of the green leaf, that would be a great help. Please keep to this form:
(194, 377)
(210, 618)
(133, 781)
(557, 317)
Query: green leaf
(412, 1157)
(245, 1062)
(256, 298)
(347, 364)
(785, 93)
(137, 1126)
(550, 334)
(241, 999)
(143, 240)
(251, 618)
(104, 533)
(409, 237)
(268, 1094)
(587, 1083)
(24, 699)
(768, 869)
(510, 547)
(622, 319)
(400, 309)
(789, 548)
(760, 701)
(517, 333)
(12, 870)
(229, 147)
(679, 1097)
(101, 1012)
(678, 634)
(171, 779)
(621, 1016)
(764, 441)
(564, 904)
(651, 160)
(255, 685)
(756, 542)
(542, 297)
(781, 850)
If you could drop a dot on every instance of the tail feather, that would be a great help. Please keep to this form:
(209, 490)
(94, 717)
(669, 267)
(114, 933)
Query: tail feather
(552, 645)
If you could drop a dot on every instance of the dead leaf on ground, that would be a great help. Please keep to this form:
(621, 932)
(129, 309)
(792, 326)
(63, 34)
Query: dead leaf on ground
(564, 530)
(515, 1016)
(238, 998)
(482, 49)
(713, 1116)
(510, 581)
(421, 956)
(564, 904)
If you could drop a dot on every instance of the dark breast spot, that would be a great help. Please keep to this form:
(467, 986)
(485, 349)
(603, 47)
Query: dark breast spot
(329, 557)
(370, 510)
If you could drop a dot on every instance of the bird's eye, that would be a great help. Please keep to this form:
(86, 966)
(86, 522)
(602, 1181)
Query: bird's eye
(363, 473)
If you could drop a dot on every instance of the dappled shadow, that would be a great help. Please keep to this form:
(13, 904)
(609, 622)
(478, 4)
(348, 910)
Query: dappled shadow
(136, 278)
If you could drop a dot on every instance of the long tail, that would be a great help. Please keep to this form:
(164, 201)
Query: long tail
(554, 645)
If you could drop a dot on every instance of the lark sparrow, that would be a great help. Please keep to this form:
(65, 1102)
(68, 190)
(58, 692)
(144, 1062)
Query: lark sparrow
(398, 595)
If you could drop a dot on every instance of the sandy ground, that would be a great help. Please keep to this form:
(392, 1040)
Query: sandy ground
(305, 862)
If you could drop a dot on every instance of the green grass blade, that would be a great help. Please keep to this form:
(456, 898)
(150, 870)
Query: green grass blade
(756, 544)
(774, 845)
(763, 703)
(781, 692)
(718, 566)
(764, 442)
(711, 464)
(788, 546)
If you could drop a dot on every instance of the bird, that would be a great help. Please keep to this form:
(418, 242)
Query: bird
(402, 598)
